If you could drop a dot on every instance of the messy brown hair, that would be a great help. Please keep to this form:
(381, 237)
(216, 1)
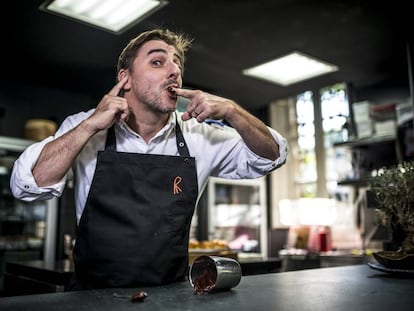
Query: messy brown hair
(180, 41)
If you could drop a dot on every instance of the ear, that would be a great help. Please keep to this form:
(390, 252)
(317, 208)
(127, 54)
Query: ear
(121, 75)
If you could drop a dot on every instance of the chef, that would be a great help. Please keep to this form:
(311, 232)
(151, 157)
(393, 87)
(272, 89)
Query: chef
(139, 165)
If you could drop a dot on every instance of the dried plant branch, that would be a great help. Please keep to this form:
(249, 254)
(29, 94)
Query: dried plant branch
(394, 191)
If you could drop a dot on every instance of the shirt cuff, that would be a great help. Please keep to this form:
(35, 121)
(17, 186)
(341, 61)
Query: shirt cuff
(268, 165)
(23, 183)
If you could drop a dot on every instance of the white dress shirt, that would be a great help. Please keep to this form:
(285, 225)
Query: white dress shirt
(219, 151)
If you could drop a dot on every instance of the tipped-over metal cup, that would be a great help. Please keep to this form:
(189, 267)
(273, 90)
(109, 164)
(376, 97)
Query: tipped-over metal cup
(209, 273)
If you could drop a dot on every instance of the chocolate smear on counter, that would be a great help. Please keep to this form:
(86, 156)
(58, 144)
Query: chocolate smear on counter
(139, 297)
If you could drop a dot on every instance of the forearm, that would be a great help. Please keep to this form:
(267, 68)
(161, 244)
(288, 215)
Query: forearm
(58, 155)
(254, 132)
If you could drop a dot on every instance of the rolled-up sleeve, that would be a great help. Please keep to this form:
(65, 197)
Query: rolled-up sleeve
(221, 152)
(253, 165)
(22, 182)
(283, 152)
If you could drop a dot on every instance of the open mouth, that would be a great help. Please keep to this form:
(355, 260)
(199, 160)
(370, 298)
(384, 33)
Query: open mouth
(171, 91)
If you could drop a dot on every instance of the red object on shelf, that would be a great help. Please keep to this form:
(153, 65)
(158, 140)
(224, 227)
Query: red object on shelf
(323, 242)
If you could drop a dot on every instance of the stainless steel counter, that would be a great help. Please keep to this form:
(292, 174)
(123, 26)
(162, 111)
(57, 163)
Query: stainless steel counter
(38, 277)
(356, 287)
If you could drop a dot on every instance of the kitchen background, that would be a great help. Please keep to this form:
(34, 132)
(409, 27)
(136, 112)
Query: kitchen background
(341, 126)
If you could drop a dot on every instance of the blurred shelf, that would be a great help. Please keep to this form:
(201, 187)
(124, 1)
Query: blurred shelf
(362, 142)
(355, 182)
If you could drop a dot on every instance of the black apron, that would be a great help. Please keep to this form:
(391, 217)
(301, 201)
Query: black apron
(135, 227)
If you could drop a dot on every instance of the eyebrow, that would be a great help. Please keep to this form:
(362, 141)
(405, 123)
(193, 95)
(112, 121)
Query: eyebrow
(165, 52)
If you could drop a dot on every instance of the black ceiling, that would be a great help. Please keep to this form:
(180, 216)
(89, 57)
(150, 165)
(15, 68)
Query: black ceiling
(367, 40)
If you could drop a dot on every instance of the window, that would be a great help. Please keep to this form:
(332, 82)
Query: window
(307, 172)
(333, 128)
(313, 122)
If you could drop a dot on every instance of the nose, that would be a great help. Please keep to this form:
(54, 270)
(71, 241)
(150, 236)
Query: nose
(175, 70)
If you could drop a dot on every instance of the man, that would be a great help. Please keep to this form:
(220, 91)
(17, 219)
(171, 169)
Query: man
(140, 165)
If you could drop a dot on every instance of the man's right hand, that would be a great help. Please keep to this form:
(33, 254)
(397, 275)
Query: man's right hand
(110, 109)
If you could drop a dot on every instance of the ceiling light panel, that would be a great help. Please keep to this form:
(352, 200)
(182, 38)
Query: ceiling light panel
(112, 15)
(290, 69)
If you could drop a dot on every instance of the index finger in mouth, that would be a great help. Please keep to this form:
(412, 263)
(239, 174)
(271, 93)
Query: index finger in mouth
(184, 92)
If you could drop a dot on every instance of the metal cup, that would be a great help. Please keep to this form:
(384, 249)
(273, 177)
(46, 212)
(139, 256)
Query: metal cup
(209, 273)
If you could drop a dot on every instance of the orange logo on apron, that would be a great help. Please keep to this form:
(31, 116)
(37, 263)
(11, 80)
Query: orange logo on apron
(176, 188)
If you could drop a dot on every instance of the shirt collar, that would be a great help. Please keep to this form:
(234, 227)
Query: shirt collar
(123, 126)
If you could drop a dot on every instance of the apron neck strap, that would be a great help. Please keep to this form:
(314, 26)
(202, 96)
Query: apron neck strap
(181, 145)
(110, 139)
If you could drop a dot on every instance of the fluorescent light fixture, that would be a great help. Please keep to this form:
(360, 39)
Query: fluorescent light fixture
(112, 15)
(290, 69)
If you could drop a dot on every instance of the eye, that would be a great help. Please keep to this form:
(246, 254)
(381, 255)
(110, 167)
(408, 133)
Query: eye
(157, 63)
